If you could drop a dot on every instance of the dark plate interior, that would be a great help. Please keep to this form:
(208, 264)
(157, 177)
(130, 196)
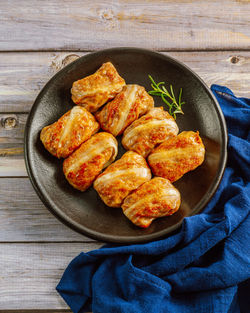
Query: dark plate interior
(85, 212)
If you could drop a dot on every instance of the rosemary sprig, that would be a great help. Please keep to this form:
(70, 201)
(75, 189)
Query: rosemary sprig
(174, 107)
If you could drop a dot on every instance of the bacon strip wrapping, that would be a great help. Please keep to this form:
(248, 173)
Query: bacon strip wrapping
(87, 162)
(132, 102)
(155, 198)
(177, 156)
(69, 132)
(95, 90)
(151, 129)
(122, 177)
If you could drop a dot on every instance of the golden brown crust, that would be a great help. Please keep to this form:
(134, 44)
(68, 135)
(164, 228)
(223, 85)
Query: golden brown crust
(148, 131)
(93, 91)
(155, 198)
(69, 132)
(177, 156)
(132, 102)
(83, 166)
(122, 177)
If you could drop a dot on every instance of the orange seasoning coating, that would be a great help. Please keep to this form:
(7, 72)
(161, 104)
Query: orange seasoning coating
(148, 131)
(122, 177)
(132, 102)
(93, 91)
(177, 156)
(69, 132)
(155, 198)
(83, 166)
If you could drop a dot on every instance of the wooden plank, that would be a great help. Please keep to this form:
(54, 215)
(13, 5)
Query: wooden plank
(12, 167)
(98, 24)
(35, 311)
(11, 144)
(229, 68)
(22, 75)
(23, 217)
(30, 273)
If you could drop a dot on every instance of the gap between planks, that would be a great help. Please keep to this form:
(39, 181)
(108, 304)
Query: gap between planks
(170, 50)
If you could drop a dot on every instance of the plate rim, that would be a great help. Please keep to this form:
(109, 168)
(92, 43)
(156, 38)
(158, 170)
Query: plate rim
(126, 239)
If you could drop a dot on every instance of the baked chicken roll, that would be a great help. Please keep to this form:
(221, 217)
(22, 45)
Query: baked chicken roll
(93, 91)
(155, 198)
(86, 163)
(148, 131)
(122, 177)
(69, 132)
(177, 156)
(132, 102)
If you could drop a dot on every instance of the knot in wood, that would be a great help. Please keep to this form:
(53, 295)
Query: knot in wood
(235, 59)
(107, 14)
(9, 122)
(69, 58)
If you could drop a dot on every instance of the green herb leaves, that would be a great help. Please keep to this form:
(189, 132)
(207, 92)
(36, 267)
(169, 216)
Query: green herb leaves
(174, 107)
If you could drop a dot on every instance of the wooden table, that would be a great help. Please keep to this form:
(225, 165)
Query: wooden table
(38, 38)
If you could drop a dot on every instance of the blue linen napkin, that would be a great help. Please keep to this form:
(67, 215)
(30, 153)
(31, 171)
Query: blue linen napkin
(203, 268)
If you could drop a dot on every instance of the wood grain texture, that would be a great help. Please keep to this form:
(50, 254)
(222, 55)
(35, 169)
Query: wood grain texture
(35, 247)
(95, 24)
(30, 272)
(35, 311)
(11, 144)
(22, 75)
(18, 89)
(23, 217)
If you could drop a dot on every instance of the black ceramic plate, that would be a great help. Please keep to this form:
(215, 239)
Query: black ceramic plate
(85, 212)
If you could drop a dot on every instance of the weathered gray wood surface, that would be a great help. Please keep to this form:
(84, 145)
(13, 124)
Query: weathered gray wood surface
(19, 89)
(38, 38)
(30, 272)
(35, 311)
(22, 75)
(23, 217)
(95, 24)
